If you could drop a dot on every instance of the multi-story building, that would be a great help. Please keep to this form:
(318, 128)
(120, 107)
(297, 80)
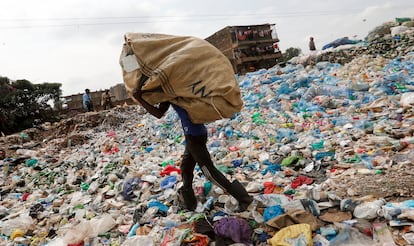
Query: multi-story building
(248, 47)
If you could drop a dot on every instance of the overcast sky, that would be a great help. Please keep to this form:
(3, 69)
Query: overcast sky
(78, 42)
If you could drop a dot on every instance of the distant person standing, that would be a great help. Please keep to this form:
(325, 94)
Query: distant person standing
(87, 101)
(106, 100)
(311, 44)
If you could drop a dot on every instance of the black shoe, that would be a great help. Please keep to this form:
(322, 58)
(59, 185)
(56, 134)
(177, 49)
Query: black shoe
(238, 191)
(187, 198)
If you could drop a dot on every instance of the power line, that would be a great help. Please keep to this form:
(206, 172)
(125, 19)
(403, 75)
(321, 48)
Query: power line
(284, 14)
(158, 19)
(173, 16)
(163, 18)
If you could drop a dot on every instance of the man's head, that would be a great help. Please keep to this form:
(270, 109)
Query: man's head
(87, 90)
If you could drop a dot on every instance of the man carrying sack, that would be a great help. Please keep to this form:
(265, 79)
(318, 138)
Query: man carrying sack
(198, 81)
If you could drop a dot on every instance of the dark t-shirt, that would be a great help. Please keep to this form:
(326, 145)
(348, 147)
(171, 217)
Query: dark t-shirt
(312, 45)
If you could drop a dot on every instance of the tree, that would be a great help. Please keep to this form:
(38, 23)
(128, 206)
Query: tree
(23, 103)
(290, 53)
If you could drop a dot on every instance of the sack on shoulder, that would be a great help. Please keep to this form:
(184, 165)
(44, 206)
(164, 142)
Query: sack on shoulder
(186, 71)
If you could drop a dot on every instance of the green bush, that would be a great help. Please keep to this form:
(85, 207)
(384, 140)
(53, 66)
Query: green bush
(22, 104)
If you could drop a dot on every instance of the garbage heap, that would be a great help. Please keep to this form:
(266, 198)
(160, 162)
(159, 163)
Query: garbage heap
(326, 151)
(389, 40)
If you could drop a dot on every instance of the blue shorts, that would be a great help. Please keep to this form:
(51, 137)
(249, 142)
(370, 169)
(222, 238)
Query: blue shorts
(189, 127)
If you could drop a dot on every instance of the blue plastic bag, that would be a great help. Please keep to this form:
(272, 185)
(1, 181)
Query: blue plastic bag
(273, 211)
(168, 182)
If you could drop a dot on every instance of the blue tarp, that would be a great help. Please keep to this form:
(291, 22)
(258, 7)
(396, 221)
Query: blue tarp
(339, 42)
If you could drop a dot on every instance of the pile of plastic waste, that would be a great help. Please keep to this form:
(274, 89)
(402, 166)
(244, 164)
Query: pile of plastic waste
(326, 151)
(388, 40)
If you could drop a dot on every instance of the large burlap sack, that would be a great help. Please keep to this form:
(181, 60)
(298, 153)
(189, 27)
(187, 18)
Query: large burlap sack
(186, 71)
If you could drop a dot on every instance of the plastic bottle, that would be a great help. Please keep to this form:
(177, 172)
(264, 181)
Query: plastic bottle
(328, 232)
(285, 135)
(318, 145)
(403, 142)
(257, 119)
(84, 186)
(207, 187)
(254, 186)
(321, 155)
(199, 191)
(341, 120)
(367, 161)
(93, 187)
(133, 229)
(230, 203)
(17, 196)
(341, 93)
(258, 217)
(209, 203)
(148, 215)
(328, 90)
(390, 211)
(228, 131)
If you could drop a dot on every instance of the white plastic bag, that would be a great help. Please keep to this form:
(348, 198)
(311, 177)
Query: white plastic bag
(398, 30)
(272, 199)
(368, 210)
(23, 222)
(139, 241)
(349, 236)
(407, 99)
(88, 229)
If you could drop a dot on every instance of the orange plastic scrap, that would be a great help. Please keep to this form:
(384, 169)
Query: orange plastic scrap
(197, 240)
